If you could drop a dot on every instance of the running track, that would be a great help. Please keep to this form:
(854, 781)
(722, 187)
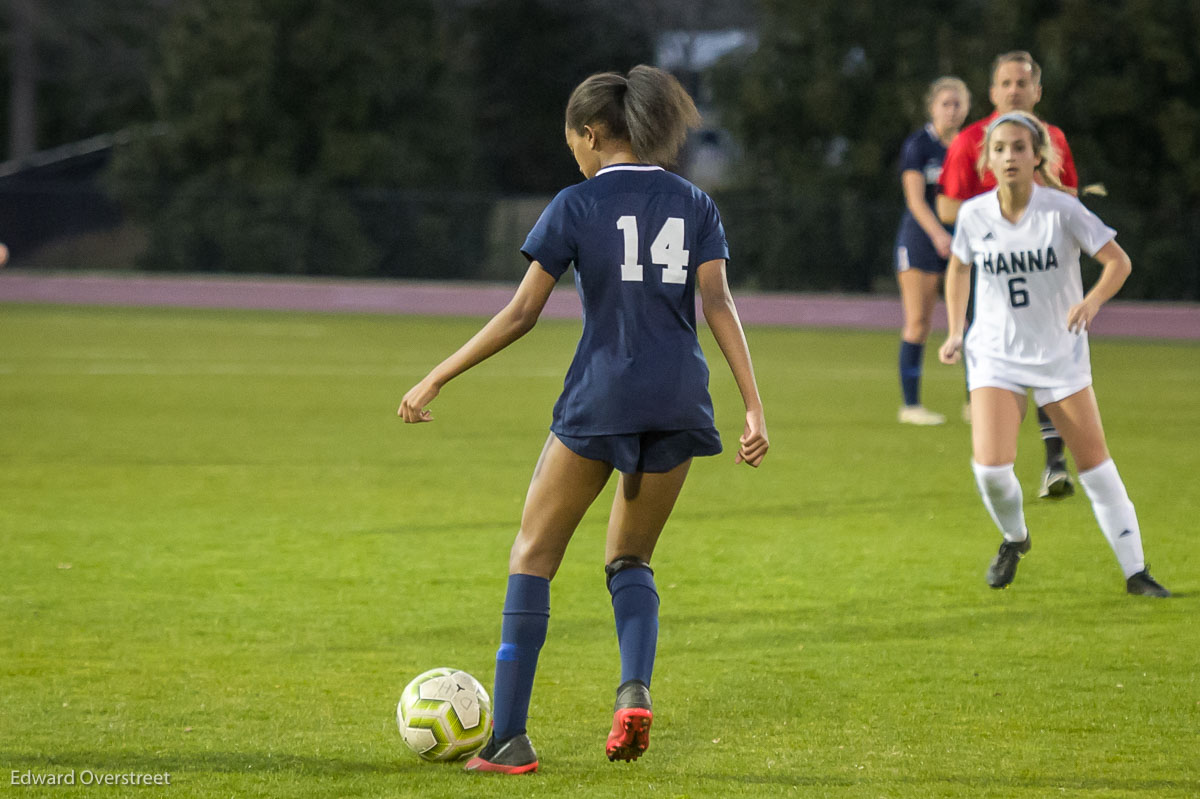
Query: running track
(1137, 319)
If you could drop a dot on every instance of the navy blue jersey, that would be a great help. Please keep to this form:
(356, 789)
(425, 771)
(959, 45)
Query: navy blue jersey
(923, 152)
(636, 234)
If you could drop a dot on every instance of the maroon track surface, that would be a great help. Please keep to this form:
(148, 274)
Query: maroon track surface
(1138, 319)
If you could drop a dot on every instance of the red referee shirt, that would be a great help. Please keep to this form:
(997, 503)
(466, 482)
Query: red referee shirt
(960, 180)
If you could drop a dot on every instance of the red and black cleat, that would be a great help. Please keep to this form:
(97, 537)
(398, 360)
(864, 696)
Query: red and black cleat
(514, 755)
(632, 716)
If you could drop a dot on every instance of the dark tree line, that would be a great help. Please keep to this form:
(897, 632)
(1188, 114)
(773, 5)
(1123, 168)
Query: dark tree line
(267, 112)
(351, 136)
(358, 137)
(75, 68)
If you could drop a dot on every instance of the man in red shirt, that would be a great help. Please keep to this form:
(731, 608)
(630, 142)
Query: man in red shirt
(1016, 86)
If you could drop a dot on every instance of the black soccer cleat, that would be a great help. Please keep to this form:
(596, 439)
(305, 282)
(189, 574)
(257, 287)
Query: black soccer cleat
(513, 755)
(1003, 567)
(632, 716)
(1142, 584)
(1056, 481)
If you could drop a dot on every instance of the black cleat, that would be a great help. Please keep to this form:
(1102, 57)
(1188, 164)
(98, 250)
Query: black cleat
(1003, 567)
(632, 716)
(1056, 481)
(1142, 584)
(633, 694)
(513, 755)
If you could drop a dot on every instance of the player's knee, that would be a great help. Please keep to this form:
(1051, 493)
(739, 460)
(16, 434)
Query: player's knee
(917, 330)
(531, 555)
(996, 481)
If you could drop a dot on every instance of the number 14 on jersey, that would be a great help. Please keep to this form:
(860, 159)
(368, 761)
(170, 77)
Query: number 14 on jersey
(666, 250)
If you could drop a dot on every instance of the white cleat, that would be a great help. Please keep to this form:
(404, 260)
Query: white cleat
(920, 415)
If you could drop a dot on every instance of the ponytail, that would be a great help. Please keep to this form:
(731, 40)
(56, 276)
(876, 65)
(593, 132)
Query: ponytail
(647, 108)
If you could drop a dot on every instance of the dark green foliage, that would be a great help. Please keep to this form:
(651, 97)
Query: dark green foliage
(275, 116)
(1128, 79)
(319, 136)
(529, 55)
(821, 109)
(92, 67)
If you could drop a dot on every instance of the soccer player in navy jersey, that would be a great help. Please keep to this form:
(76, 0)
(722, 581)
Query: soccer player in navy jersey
(922, 242)
(635, 398)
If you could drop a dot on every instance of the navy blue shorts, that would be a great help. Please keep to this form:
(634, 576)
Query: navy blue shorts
(914, 250)
(656, 451)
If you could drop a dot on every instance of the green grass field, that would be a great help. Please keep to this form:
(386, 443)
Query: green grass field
(224, 556)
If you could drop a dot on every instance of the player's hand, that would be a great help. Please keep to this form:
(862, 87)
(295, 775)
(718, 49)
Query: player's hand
(941, 243)
(753, 445)
(951, 351)
(412, 407)
(1079, 318)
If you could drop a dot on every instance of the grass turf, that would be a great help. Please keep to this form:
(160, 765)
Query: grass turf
(224, 557)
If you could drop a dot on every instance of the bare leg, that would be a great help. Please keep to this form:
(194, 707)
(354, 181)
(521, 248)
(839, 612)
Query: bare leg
(640, 510)
(1078, 420)
(564, 486)
(996, 415)
(918, 296)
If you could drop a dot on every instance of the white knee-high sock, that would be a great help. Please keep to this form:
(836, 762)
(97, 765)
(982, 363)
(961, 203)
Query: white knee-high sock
(1114, 511)
(1001, 492)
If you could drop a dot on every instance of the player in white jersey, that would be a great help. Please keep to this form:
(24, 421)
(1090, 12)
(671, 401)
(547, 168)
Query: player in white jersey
(1030, 332)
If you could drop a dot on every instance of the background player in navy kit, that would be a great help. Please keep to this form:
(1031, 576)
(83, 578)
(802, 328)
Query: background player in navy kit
(1030, 332)
(922, 243)
(635, 397)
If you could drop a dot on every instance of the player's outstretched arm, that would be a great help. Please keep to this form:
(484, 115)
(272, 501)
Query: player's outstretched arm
(1117, 267)
(958, 290)
(722, 317)
(515, 320)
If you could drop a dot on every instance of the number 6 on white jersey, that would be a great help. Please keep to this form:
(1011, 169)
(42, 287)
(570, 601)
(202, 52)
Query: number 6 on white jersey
(666, 250)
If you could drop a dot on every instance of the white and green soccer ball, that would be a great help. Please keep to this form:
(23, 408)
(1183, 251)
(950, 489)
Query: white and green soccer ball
(444, 714)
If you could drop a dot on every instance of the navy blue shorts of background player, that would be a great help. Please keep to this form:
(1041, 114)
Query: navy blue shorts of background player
(656, 451)
(914, 250)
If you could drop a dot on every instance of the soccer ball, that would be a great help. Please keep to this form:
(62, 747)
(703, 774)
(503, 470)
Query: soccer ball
(444, 714)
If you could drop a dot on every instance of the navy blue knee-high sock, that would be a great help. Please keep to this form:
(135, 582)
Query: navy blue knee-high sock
(912, 357)
(635, 607)
(526, 617)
